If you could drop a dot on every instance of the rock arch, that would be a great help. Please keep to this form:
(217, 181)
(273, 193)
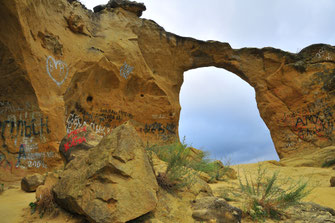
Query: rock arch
(145, 65)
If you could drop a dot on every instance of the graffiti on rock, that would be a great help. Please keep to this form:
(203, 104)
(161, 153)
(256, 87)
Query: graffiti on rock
(125, 70)
(57, 70)
(101, 122)
(75, 139)
(14, 127)
(322, 54)
(28, 157)
(314, 122)
(5, 163)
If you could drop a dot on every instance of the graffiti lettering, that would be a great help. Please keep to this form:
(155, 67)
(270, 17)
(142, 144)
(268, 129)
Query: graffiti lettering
(321, 53)
(22, 153)
(125, 70)
(156, 127)
(316, 120)
(75, 141)
(24, 128)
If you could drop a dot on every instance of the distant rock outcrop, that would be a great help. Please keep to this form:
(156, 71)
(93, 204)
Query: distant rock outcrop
(63, 66)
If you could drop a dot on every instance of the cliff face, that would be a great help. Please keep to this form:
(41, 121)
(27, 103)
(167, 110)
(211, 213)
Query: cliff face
(62, 66)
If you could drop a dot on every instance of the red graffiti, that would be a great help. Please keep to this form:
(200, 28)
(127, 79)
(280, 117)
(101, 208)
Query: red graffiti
(75, 141)
(75, 132)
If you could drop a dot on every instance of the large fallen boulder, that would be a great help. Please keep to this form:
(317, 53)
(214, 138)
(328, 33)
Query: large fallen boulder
(112, 182)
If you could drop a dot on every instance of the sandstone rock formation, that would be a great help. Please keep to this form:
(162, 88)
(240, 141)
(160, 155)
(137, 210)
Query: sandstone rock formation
(113, 182)
(213, 209)
(62, 66)
(30, 183)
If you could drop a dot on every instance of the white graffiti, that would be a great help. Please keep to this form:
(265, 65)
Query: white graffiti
(322, 53)
(74, 122)
(36, 164)
(125, 70)
(57, 70)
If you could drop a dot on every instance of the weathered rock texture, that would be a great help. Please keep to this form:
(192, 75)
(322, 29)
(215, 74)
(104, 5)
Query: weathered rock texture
(62, 66)
(113, 182)
(213, 209)
(30, 183)
(78, 142)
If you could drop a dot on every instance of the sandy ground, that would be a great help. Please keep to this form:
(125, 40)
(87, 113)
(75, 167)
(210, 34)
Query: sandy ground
(12, 203)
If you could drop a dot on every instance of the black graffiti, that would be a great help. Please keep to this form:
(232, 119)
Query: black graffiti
(24, 128)
(104, 117)
(160, 128)
(22, 153)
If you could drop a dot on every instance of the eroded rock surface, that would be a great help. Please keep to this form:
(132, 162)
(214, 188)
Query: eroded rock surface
(113, 182)
(213, 209)
(31, 182)
(62, 66)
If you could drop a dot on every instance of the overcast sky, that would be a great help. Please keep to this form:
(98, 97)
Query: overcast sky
(219, 112)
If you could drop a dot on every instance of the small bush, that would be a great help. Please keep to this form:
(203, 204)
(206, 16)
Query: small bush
(328, 163)
(265, 199)
(32, 206)
(179, 172)
(46, 203)
(183, 165)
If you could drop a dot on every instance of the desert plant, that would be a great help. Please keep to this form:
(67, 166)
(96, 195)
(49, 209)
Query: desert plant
(32, 206)
(328, 163)
(184, 165)
(46, 203)
(265, 199)
(180, 172)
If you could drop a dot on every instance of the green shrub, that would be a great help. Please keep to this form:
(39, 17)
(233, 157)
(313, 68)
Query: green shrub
(179, 172)
(328, 163)
(184, 165)
(265, 199)
(33, 206)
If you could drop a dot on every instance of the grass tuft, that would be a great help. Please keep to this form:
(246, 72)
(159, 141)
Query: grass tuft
(184, 164)
(266, 199)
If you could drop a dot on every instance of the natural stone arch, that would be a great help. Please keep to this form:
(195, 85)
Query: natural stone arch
(294, 92)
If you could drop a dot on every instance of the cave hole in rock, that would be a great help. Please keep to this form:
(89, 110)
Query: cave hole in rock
(219, 114)
(89, 99)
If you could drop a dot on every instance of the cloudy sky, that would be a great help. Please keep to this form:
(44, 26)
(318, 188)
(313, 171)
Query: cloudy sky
(219, 112)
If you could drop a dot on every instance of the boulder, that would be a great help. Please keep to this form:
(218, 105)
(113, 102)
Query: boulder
(158, 165)
(225, 171)
(31, 182)
(51, 179)
(112, 182)
(213, 209)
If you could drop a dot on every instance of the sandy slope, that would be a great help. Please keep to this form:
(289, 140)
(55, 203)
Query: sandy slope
(12, 203)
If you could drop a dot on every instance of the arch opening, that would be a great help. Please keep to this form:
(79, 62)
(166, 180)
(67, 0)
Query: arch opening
(219, 114)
